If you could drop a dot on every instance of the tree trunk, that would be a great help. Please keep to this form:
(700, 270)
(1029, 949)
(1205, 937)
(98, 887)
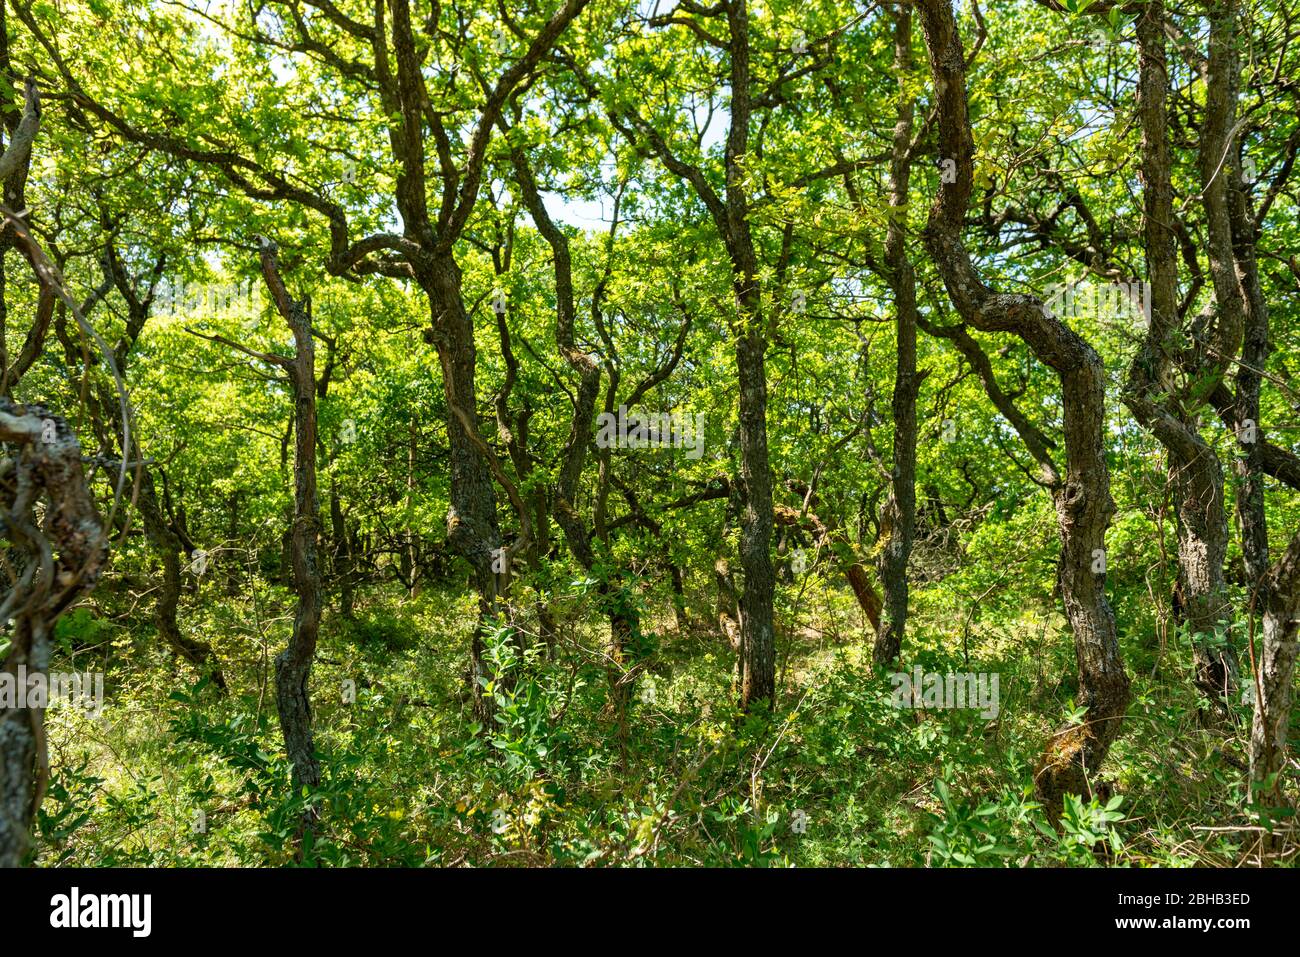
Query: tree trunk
(728, 613)
(293, 665)
(1279, 596)
(409, 557)
(730, 215)
(23, 759)
(1202, 530)
(757, 634)
(1075, 753)
(676, 579)
(615, 593)
(1196, 477)
(169, 548)
(55, 560)
(472, 527)
(1275, 591)
(343, 558)
(900, 507)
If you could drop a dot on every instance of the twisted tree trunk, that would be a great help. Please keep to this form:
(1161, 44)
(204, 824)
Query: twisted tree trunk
(293, 665)
(56, 560)
(616, 596)
(169, 548)
(1278, 596)
(1075, 753)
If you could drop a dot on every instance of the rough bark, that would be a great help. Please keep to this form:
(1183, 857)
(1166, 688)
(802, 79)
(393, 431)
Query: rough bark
(1278, 597)
(758, 634)
(473, 530)
(1274, 590)
(899, 511)
(1075, 753)
(293, 665)
(21, 125)
(56, 560)
(1153, 393)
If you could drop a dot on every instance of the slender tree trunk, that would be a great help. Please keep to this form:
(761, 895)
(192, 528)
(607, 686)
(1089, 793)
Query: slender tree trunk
(1275, 590)
(343, 557)
(1196, 477)
(293, 665)
(678, 584)
(409, 559)
(473, 530)
(728, 613)
(900, 507)
(1075, 754)
(615, 593)
(21, 747)
(1279, 596)
(757, 631)
(757, 627)
(730, 214)
(168, 546)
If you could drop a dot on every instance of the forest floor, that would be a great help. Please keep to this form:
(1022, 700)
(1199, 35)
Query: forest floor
(171, 773)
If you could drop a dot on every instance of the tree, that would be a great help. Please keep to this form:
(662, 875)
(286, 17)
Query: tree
(1084, 507)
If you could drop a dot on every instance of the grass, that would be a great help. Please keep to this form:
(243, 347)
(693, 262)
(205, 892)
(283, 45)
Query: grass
(174, 775)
